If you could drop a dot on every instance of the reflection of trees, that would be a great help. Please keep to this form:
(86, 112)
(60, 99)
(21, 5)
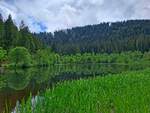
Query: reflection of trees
(41, 75)
(20, 79)
(2, 82)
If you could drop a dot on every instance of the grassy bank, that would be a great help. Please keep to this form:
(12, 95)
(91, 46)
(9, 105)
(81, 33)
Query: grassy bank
(128, 92)
(20, 57)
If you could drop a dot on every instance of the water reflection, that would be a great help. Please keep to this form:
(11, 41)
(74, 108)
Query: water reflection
(16, 85)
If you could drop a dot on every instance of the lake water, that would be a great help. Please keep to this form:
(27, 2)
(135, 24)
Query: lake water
(16, 85)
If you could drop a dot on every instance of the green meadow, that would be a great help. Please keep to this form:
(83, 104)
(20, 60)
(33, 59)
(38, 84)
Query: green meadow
(127, 92)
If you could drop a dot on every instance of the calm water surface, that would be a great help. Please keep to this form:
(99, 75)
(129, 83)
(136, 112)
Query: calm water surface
(16, 85)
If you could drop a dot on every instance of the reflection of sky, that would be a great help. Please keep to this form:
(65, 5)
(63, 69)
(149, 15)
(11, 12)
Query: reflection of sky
(50, 15)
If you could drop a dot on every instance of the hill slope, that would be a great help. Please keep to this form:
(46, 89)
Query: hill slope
(105, 37)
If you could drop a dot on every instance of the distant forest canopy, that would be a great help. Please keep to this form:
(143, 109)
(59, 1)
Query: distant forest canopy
(11, 36)
(132, 35)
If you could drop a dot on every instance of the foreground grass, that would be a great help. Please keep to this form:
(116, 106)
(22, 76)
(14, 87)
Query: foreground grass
(122, 93)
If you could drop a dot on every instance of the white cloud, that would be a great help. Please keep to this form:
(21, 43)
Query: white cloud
(61, 14)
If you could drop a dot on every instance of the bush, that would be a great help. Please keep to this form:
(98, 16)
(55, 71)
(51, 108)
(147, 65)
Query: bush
(20, 56)
(2, 55)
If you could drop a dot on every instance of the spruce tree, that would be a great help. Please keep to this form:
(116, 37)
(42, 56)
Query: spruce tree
(2, 31)
(11, 33)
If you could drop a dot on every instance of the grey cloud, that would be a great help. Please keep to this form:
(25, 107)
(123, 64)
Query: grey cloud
(62, 14)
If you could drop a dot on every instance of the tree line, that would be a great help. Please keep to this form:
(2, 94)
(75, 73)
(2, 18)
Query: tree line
(131, 35)
(21, 57)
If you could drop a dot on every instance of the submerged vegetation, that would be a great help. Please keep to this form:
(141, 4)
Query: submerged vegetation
(127, 92)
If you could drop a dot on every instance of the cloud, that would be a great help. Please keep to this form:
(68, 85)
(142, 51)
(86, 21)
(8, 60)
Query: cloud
(51, 15)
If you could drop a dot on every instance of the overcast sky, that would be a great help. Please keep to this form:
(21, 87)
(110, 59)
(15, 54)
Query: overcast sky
(51, 15)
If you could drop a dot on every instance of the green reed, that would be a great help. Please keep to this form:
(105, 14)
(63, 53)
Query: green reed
(128, 92)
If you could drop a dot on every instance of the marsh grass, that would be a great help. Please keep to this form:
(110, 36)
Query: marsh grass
(128, 92)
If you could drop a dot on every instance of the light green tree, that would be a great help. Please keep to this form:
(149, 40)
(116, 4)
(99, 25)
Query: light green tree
(20, 56)
(45, 57)
(2, 55)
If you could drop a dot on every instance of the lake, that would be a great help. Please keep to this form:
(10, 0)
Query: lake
(17, 84)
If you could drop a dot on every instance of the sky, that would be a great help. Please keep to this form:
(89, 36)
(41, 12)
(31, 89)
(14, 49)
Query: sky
(51, 15)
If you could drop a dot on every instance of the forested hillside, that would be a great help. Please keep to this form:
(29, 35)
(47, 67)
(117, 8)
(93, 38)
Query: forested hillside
(11, 36)
(128, 42)
(132, 35)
